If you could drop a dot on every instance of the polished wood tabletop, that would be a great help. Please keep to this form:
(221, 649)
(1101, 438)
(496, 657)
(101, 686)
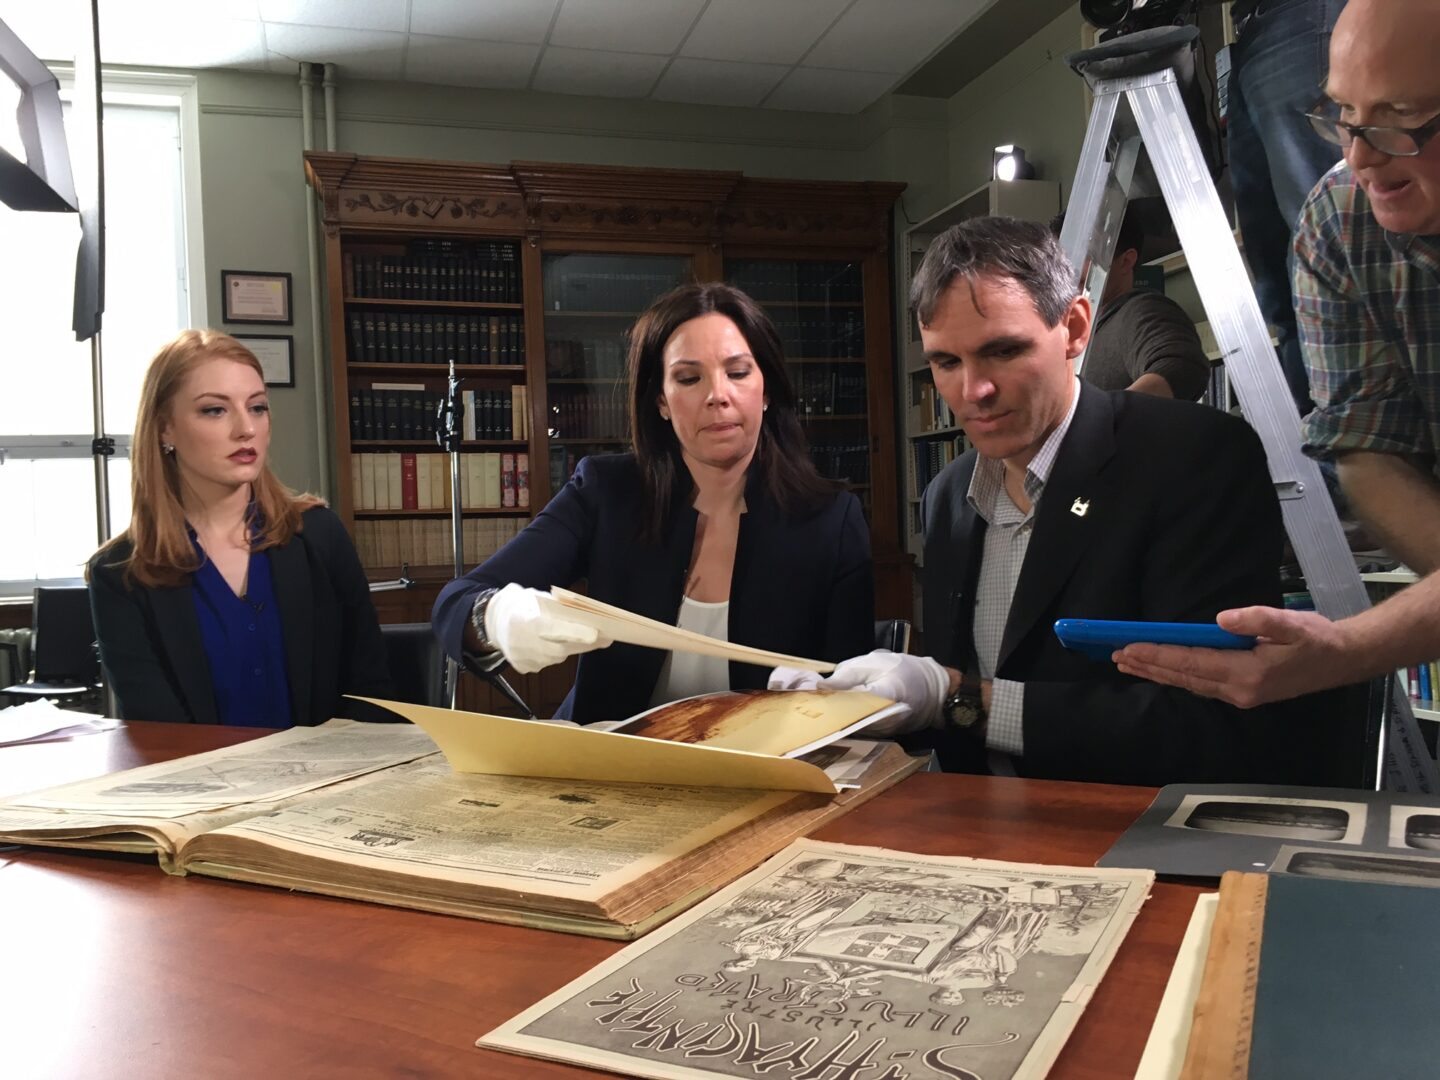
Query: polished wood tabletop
(111, 968)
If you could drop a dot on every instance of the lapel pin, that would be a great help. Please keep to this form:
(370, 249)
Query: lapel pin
(1080, 507)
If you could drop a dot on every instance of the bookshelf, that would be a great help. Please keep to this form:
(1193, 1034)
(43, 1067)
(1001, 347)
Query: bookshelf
(530, 274)
(1382, 584)
(932, 438)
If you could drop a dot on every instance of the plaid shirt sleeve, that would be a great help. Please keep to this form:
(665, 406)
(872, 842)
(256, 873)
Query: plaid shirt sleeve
(1365, 397)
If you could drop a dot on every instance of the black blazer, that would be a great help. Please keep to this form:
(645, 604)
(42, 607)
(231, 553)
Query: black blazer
(155, 661)
(1181, 522)
(801, 585)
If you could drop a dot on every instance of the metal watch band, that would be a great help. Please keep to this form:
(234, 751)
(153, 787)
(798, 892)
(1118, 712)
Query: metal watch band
(477, 623)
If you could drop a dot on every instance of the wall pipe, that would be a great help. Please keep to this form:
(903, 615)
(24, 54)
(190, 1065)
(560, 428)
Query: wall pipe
(312, 245)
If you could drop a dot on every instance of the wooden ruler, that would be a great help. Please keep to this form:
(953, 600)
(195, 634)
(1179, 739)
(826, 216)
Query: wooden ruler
(1219, 1047)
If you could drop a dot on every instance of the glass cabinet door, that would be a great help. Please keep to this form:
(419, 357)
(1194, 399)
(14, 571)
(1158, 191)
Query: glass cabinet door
(591, 301)
(818, 306)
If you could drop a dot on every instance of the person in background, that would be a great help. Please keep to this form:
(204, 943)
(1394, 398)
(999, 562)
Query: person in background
(1277, 67)
(717, 522)
(1142, 340)
(1367, 288)
(1073, 503)
(229, 599)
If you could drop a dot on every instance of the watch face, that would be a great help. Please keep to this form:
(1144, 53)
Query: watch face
(963, 710)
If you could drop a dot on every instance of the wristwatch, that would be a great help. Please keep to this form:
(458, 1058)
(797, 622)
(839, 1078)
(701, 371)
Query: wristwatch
(485, 655)
(964, 708)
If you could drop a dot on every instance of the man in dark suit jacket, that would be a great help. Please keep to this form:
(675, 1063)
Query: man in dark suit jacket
(1073, 503)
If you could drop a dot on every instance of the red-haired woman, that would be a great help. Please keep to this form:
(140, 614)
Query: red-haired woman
(229, 599)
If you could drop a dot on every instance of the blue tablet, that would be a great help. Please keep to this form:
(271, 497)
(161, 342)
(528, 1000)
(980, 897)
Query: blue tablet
(1098, 638)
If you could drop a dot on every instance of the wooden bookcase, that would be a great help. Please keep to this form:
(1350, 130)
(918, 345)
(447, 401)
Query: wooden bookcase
(581, 249)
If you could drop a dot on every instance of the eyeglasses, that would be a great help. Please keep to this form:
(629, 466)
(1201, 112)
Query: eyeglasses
(1390, 141)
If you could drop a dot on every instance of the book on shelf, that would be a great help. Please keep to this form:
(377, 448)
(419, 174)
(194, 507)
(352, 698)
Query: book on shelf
(464, 272)
(833, 960)
(430, 541)
(528, 822)
(400, 480)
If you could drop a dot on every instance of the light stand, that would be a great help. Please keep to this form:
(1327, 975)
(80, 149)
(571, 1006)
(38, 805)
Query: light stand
(449, 430)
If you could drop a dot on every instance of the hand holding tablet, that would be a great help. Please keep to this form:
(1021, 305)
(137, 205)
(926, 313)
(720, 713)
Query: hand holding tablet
(1099, 638)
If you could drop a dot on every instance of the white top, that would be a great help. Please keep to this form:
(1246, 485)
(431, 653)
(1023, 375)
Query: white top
(686, 674)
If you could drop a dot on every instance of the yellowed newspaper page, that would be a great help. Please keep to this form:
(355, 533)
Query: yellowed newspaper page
(480, 743)
(783, 723)
(265, 770)
(620, 625)
(832, 960)
(573, 839)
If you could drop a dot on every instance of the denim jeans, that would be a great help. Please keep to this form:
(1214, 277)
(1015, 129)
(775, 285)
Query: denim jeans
(1277, 69)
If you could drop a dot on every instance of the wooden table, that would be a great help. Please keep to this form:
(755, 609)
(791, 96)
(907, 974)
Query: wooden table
(111, 968)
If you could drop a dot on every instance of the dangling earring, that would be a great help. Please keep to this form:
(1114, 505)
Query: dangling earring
(166, 448)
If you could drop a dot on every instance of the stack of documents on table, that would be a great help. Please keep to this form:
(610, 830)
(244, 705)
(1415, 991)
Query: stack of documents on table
(39, 721)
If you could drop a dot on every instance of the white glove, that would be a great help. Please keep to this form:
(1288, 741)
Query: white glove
(530, 628)
(793, 678)
(914, 681)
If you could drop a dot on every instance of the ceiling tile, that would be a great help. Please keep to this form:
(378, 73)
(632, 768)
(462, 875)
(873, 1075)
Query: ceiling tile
(341, 14)
(525, 21)
(458, 62)
(359, 54)
(637, 26)
(882, 35)
(197, 36)
(715, 82)
(589, 71)
(760, 31)
(820, 90)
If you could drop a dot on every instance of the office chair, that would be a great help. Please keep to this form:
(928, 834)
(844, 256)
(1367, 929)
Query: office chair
(65, 665)
(892, 634)
(417, 667)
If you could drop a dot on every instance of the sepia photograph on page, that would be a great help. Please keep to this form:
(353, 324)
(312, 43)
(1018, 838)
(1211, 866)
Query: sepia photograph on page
(849, 960)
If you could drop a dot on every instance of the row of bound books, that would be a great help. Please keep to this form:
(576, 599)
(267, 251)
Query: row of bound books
(931, 413)
(409, 411)
(849, 461)
(390, 542)
(422, 481)
(585, 357)
(1423, 681)
(829, 391)
(484, 273)
(609, 292)
(808, 281)
(402, 337)
(577, 412)
(838, 336)
(927, 458)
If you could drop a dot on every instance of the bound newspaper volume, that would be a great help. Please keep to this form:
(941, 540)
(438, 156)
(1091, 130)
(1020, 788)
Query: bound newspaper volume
(517, 821)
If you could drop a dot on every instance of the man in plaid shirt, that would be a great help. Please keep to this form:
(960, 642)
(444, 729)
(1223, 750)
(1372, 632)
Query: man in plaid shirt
(1367, 297)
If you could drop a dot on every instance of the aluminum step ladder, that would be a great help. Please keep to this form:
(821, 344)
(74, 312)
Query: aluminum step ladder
(1140, 133)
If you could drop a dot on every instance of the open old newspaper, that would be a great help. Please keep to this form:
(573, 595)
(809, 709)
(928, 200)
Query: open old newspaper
(517, 821)
(832, 960)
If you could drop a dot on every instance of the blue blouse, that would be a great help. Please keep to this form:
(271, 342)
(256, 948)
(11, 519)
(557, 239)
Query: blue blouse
(244, 644)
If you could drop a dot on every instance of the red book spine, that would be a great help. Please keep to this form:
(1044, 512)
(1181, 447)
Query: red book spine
(409, 496)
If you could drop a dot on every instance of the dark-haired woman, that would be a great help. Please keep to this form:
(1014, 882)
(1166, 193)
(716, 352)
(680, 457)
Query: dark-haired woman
(717, 522)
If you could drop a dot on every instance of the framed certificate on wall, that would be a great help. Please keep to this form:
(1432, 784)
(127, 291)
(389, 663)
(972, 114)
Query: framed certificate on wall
(276, 353)
(252, 296)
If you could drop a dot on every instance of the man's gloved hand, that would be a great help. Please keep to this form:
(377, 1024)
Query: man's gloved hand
(531, 629)
(793, 678)
(914, 681)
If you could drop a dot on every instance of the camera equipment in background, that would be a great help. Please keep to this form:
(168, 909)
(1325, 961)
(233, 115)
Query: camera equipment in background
(1116, 17)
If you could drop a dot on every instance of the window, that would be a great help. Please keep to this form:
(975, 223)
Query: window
(153, 289)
